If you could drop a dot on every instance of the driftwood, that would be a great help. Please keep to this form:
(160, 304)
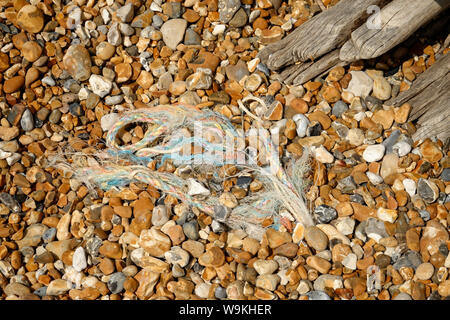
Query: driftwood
(399, 20)
(429, 97)
(319, 35)
(339, 36)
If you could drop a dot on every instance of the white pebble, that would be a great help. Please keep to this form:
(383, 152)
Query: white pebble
(410, 186)
(350, 261)
(196, 188)
(374, 153)
(302, 123)
(322, 155)
(402, 148)
(108, 120)
(219, 29)
(79, 259)
(374, 178)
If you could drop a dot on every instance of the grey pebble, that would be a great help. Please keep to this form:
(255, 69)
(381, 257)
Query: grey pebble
(220, 293)
(339, 108)
(115, 282)
(445, 175)
(48, 81)
(49, 235)
(10, 202)
(410, 259)
(157, 21)
(324, 213)
(190, 229)
(113, 100)
(318, 295)
(27, 122)
(55, 116)
(41, 292)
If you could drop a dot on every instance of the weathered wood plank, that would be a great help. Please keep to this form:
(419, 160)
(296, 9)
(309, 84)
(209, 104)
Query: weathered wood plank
(319, 35)
(433, 74)
(399, 20)
(303, 72)
(429, 97)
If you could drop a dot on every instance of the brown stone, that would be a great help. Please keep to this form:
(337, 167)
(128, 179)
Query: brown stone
(154, 242)
(176, 234)
(320, 116)
(412, 240)
(123, 72)
(31, 51)
(147, 281)
(344, 209)
(205, 60)
(430, 151)
(260, 23)
(124, 212)
(77, 62)
(89, 293)
(288, 250)
(106, 266)
(13, 84)
(277, 238)
(213, 257)
(384, 117)
(4, 61)
(195, 248)
(7, 134)
(331, 94)
(362, 213)
(131, 285)
(401, 113)
(336, 74)
(191, 16)
(30, 18)
(240, 256)
(275, 112)
(321, 265)
(31, 76)
(145, 79)
(111, 250)
(299, 105)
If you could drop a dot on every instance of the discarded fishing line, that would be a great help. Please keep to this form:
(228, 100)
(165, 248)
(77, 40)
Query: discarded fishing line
(197, 139)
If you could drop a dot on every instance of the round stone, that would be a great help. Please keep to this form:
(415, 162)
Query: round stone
(123, 71)
(190, 229)
(339, 108)
(115, 282)
(13, 84)
(317, 295)
(374, 153)
(424, 271)
(316, 238)
(105, 50)
(31, 51)
(177, 87)
(30, 19)
(77, 62)
(173, 32)
(265, 266)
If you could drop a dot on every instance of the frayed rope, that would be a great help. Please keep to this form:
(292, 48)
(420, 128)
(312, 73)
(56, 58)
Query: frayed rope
(169, 137)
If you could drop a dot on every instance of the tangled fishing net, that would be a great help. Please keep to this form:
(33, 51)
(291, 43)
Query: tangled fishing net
(199, 140)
